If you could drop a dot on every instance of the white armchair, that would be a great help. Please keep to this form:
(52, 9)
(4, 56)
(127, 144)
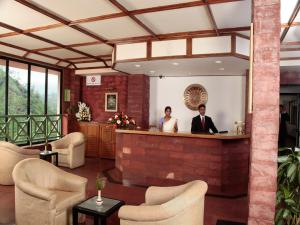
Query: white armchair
(182, 204)
(10, 155)
(71, 150)
(45, 194)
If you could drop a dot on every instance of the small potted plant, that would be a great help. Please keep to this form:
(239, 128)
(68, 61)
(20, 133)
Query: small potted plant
(100, 184)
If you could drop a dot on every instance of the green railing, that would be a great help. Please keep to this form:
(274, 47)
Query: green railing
(29, 129)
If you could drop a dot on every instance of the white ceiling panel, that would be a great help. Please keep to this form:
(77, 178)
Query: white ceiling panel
(232, 14)
(64, 35)
(179, 20)
(62, 53)
(187, 67)
(79, 9)
(20, 16)
(141, 4)
(286, 10)
(10, 50)
(25, 42)
(94, 64)
(297, 19)
(286, 54)
(4, 31)
(116, 28)
(99, 49)
(42, 58)
(292, 35)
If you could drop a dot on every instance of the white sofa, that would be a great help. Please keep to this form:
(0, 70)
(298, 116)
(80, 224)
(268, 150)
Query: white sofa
(45, 194)
(182, 204)
(71, 150)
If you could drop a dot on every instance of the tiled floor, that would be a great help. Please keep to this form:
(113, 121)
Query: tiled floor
(215, 207)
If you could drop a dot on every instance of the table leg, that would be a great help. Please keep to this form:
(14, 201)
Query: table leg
(103, 221)
(75, 216)
(96, 220)
(56, 162)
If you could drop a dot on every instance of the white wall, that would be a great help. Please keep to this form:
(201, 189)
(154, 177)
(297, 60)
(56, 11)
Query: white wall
(226, 99)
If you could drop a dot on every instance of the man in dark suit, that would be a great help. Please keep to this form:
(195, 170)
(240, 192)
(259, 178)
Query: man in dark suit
(202, 123)
(283, 119)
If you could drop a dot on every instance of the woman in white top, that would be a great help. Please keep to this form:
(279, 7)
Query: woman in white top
(168, 123)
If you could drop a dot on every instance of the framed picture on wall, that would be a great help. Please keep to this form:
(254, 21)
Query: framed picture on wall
(111, 102)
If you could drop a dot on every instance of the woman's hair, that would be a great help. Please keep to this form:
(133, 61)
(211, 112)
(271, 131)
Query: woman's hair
(168, 107)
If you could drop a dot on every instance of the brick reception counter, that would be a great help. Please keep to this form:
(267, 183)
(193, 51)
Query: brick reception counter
(155, 158)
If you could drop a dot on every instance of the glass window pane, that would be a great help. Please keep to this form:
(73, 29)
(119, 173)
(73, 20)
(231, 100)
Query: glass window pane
(17, 88)
(37, 90)
(2, 85)
(53, 92)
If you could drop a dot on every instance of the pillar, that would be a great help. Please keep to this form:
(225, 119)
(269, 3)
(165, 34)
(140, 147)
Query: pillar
(265, 121)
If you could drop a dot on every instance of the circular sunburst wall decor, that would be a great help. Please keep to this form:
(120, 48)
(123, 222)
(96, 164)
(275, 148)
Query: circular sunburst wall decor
(194, 95)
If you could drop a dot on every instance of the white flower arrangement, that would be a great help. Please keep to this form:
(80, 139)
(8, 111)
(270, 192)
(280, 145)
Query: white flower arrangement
(84, 113)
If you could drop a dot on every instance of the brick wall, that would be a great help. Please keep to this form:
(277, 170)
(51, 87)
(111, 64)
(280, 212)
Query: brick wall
(169, 160)
(138, 99)
(133, 97)
(94, 96)
(72, 82)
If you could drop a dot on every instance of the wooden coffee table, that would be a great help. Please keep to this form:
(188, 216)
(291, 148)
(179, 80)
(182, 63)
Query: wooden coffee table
(100, 213)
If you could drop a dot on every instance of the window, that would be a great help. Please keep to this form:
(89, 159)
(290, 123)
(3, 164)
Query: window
(17, 88)
(53, 92)
(2, 85)
(27, 93)
(37, 90)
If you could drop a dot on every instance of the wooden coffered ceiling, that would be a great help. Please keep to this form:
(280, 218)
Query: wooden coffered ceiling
(81, 34)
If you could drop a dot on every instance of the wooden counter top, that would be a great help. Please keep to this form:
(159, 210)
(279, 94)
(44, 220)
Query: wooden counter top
(227, 136)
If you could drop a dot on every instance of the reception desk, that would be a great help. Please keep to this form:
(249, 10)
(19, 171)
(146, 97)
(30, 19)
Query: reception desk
(157, 158)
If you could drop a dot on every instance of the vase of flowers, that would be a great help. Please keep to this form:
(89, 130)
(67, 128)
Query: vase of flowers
(100, 184)
(121, 120)
(84, 113)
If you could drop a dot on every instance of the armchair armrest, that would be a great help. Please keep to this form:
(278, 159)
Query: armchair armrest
(159, 195)
(71, 182)
(143, 213)
(61, 143)
(36, 191)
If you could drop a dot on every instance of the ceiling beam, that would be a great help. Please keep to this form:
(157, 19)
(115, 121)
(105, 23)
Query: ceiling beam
(4, 25)
(290, 43)
(28, 51)
(119, 14)
(291, 20)
(178, 6)
(134, 18)
(289, 49)
(181, 35)
(60, 19)
(30, 60)
(211, 17)
(73, 45)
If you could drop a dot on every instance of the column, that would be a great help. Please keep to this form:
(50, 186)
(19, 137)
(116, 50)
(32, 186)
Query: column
(265, 121)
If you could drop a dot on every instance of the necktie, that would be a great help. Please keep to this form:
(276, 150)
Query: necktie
(203, 122)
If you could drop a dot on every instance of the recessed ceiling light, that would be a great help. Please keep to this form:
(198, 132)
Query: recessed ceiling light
(175, 63)
(218, 61)
(152, 71)
(137, 65)
(221, 69)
